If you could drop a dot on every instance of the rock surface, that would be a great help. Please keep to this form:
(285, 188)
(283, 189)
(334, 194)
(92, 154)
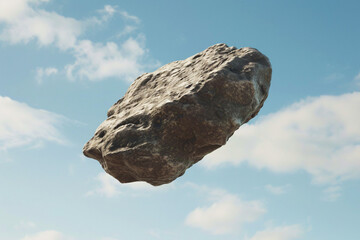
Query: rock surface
(171, 118)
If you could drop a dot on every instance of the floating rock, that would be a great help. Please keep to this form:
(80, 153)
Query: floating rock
(171, 118)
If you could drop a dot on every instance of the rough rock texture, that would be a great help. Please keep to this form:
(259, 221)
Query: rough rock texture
(171, 118)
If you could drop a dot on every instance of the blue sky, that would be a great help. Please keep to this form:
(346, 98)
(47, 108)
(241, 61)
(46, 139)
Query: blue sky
(291, 173)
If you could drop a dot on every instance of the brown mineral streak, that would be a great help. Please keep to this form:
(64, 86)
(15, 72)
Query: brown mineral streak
(171, 118)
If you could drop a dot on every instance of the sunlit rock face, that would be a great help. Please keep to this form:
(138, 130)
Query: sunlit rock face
(171, 118)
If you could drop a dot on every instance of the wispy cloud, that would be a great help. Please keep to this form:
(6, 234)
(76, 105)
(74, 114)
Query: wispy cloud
(357, 79)
(46, 235)
(45, 72)
(332, 193)
(277, 190)
(55, 235)
(320, 135)
(126, 31)
(25, 21)
(290, 232)
(226, 214)
(127, 16)
(110, 187)
(25, 225)
(107, 12)
(334, 77)
(22, 125)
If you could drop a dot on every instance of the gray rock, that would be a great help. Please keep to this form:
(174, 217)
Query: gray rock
(171, 118)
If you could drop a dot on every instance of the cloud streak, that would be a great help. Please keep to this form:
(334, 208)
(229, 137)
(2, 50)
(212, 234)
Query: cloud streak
(46, 235)
(22, 125)
(290, 232)
(277, 190)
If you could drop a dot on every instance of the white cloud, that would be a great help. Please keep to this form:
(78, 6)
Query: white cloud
(46, 235)
(98, 61)
(45, 72)
(110, 187)
(10, 10)
(23, 125)
(108, 12)
(319, 135)
(31, 23)
(277, 190)
(109, 9)
(25, 21)
(226, 214)
(280, 233)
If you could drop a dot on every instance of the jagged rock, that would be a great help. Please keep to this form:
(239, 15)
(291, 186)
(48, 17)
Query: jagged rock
(171, 118)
